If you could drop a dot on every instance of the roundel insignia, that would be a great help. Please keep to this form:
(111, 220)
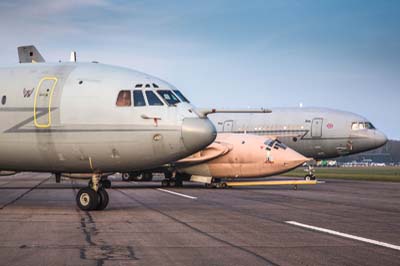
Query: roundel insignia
(329, 125)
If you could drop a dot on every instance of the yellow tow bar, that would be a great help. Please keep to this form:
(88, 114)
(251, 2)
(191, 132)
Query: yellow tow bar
(294, 183)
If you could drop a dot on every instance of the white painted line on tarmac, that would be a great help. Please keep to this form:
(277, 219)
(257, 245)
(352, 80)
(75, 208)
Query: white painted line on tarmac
(176, 193)
(336, 233)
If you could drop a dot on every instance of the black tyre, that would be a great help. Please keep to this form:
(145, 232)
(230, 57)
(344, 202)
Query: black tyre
(87, 199)
(178, 183)
(103, 199)
(138, 178)
(308, 178)
(106, 183)
(165, 183)
(147, 176)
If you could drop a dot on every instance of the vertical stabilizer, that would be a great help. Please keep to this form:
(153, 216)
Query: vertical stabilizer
(29, 54)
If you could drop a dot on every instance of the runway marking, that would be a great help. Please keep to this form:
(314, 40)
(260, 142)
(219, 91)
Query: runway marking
(332, 232)
(176, 193)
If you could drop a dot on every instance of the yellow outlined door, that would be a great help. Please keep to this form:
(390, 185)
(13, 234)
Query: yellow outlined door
(42, 102)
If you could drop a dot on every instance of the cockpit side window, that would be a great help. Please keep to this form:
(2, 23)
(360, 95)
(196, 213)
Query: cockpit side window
(124, 98)
(181, 96)
(168, 96)
(354, 126)
(369, 125)
(138, 98)
(280, 144)
(152, 98)
(276, 144)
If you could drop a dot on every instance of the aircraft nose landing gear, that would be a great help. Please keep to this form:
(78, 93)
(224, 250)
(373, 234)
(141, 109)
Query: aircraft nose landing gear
(95, 196)
(310, 173)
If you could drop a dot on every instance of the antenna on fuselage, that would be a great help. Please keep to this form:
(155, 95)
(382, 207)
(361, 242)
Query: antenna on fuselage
(73, 56)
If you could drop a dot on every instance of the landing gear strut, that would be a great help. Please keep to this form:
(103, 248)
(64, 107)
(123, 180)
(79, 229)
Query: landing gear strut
(172, 180)
(95, 196)
(58, 177)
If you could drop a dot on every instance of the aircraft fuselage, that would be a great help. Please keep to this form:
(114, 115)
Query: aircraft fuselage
(64, 118)
(314, 132)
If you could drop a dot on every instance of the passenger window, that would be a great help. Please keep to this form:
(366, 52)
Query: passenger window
(138, 98)
(124, 98)
(180, 95)
(168, 96)
(152, 98)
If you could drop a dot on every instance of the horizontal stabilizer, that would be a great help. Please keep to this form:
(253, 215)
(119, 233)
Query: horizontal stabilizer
(29, 54)
(206, 111)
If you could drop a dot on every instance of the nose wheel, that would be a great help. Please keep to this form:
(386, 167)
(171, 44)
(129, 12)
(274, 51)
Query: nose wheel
(310, 173)
(95, 196)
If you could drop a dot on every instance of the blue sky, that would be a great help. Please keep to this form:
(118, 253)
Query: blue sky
(267, 53)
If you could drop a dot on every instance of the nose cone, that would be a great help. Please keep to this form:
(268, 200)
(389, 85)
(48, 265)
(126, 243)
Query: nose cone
(294, 159)
(288, 159)
(197, 133)
(380, 139)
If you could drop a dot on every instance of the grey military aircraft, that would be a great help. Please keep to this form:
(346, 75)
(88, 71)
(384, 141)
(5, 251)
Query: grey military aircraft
(92, 118)
(319, 133)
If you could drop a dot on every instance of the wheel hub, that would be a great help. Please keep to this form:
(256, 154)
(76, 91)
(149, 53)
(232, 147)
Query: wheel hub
(85, 199)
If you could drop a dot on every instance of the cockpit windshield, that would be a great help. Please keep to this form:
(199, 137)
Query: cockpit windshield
(181, 96)
(276, 144)
(362, 125)
(168, 96)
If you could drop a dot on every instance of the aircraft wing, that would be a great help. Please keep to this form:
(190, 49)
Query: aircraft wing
(29, 54)
(207, 111)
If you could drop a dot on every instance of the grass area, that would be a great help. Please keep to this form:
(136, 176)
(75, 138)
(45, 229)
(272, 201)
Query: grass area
(391, 174)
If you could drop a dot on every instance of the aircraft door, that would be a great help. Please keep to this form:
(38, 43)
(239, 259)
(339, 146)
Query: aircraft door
(42, 102)
(316, 128)
(228, 126)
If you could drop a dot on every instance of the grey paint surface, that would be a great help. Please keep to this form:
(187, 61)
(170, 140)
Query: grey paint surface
(314, 132)
(88, 132)
(40, 225)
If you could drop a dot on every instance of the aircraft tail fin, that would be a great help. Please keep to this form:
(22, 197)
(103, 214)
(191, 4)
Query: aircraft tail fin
(29, 54)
